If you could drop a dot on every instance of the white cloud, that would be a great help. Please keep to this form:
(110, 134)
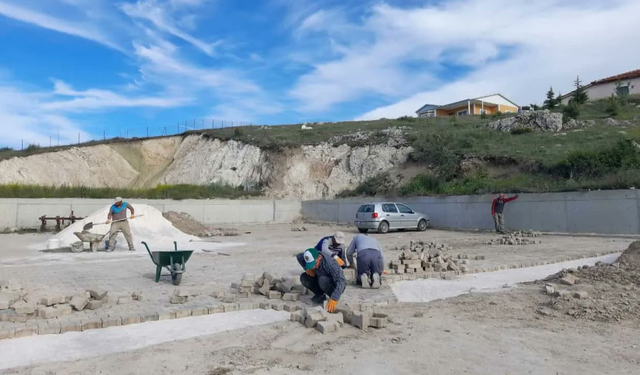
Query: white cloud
(96, 99)
(22, 119)
(34, 17)
(519, 51)
(156, 13)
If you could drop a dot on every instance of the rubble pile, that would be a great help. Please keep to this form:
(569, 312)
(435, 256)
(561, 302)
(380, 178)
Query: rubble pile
(428, 257)
(301, 229)
(602, 293)
(324, 322)
(520, 237)
(269, 285)
(18, 305)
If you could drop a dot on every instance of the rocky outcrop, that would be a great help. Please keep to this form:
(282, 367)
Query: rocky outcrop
(578, 124)
(307, 172)
(537, 120)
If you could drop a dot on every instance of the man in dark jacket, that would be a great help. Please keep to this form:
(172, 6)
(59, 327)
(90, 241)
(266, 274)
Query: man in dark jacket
(332, 247)
(322, 276)
(497, 209)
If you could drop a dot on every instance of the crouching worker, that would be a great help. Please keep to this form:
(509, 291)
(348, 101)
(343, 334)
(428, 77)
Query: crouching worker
(370, 260)
(322, 277)
(332, 247)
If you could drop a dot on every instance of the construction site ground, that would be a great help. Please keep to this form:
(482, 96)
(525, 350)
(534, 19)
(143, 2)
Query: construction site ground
(504, 332)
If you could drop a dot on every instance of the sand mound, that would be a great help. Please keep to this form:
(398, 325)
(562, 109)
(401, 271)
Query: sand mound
(152, 228)
(187, 224)
(630, 258)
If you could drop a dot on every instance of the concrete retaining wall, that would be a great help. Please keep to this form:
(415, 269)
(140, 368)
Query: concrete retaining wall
(24, 213)
(604, 212)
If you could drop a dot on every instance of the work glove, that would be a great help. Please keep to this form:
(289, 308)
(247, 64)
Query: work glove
(133, 217)
(340, 261)
(385, 272)
(331, 306)
(311, 273)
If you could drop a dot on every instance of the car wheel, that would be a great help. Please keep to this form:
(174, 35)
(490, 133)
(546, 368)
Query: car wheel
(363, 230)
(383, 227)
(422, 225)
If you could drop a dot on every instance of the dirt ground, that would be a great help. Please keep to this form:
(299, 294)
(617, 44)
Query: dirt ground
(507, 332)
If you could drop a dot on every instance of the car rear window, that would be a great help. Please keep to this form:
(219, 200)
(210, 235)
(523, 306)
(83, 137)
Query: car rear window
(389, 208)
(366, 208)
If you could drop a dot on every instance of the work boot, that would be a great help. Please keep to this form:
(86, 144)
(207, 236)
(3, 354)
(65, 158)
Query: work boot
(377, 283)
(364, 279)
(132, 249)
(318, 299)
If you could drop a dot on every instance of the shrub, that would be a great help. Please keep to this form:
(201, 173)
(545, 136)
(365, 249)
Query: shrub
(2, 149)
(238, 132)
(32, 147)
(483, 115)
(497, 114)
(370, 187)
(406, 118)
(612, 106)
(572, 110)
(422, 184)
(584, 164)
(517, 131)
(436, 150)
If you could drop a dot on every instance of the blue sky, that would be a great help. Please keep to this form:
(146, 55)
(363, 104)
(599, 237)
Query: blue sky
(118, 67)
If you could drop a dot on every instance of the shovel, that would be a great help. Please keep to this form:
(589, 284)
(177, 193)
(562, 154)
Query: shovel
(90, 225)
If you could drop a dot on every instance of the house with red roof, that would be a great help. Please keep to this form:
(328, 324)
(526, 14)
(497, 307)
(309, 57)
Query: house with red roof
(626, 83)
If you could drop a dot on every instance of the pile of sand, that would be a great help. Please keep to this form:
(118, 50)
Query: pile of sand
(151, 227)
(187, 224)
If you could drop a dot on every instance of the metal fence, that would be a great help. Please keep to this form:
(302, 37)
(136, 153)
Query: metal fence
(179, 127)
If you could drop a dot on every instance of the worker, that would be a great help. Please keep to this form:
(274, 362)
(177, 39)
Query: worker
(497, 209)
(118, 219)
(322, 276)
(370, 260)
(332, 247)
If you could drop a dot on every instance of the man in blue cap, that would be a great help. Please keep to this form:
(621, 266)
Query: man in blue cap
(117, 217)
(322, 276)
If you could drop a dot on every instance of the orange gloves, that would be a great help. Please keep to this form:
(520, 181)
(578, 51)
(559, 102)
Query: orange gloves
(311, 273)
(340, 261)
(133, 216)
(331, 306)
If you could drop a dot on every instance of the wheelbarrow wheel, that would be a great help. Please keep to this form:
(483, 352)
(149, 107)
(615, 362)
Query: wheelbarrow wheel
(176, 275)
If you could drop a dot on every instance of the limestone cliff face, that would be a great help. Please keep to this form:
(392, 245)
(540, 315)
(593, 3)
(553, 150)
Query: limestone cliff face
(305, 172)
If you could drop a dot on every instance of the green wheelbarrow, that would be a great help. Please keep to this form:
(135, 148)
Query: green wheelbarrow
(174, 261)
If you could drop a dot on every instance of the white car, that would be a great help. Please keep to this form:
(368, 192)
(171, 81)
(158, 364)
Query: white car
(385, 216)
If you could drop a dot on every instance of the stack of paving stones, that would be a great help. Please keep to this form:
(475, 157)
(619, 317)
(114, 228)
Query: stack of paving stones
(430, 258)
(269, 285)
(324, 322)
(521, 237)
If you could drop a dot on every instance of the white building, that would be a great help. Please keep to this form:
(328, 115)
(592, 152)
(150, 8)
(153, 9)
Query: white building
(625, 83)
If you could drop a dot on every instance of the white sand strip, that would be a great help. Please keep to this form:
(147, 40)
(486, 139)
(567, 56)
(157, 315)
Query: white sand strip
(427, 290)
(70, 346)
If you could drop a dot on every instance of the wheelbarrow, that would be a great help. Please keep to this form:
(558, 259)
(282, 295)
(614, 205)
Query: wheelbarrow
(93, 239)
(174, 261)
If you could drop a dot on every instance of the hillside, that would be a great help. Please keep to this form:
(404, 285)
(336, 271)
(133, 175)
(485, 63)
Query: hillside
(405, 156)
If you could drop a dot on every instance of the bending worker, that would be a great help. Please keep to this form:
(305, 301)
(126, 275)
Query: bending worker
(322, 276)
(118, 219)
(497, 209)
(370, 260)
(332, 247)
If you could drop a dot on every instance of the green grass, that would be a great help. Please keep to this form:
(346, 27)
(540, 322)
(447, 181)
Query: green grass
(159, 192)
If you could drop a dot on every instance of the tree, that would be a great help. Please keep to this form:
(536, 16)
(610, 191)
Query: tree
(550, 103)
(559, 100)
(580, 96)
(535, 107)
(612, 106)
